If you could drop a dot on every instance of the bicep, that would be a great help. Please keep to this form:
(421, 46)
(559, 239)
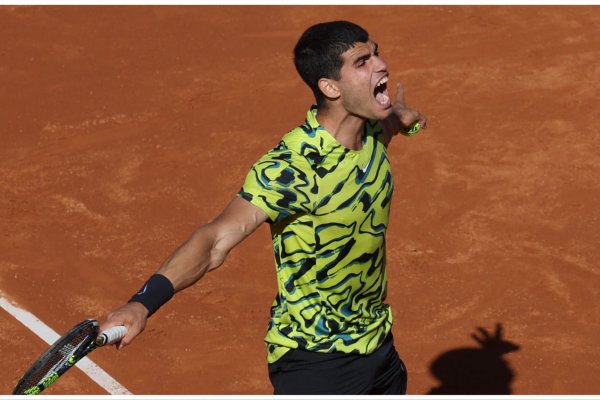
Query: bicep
(238, 220)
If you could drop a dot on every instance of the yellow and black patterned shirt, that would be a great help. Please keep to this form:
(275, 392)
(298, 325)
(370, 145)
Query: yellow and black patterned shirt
(329, 209)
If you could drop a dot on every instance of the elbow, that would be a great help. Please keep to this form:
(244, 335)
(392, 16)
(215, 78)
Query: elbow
(215, 259)
(216, 253)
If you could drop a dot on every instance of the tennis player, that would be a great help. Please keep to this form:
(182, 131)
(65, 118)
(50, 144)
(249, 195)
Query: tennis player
(325, 191)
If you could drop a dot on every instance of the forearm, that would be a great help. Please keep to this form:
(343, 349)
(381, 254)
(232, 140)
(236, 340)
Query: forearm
(190, 262)
(205, 250)
(392, 124)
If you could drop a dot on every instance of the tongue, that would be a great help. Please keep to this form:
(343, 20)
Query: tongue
(382, 98)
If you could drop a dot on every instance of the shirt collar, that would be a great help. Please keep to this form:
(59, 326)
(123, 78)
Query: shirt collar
(311, 118)
(314, 129)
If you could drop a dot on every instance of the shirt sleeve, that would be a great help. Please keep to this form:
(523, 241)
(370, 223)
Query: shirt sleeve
(281, 183)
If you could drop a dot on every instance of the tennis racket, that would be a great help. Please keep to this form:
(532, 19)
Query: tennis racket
(80, 341)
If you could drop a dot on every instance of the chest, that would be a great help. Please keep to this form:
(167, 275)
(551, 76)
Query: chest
(354, 186)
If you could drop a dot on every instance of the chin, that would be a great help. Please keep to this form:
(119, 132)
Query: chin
(382, 114)
(374, 113)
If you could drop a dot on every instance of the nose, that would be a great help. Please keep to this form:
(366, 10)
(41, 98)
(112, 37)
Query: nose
(379, 64)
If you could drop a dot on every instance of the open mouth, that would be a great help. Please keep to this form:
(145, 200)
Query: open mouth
(381, 92)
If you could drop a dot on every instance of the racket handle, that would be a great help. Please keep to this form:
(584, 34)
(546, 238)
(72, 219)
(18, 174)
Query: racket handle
(111, 335)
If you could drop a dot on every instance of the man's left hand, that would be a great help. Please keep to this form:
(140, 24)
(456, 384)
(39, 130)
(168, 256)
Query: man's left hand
(406, 116)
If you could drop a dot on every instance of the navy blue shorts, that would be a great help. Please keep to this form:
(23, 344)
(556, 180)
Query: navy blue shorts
(308, 372)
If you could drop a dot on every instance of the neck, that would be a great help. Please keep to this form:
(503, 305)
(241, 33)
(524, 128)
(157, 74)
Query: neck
(346, 128)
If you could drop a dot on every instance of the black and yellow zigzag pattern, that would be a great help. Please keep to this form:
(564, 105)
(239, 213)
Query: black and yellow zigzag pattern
(329, 210)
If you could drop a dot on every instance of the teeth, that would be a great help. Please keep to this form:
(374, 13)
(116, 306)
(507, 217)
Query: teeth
(383, 81)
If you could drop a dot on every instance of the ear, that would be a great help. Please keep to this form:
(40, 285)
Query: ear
(329, 88)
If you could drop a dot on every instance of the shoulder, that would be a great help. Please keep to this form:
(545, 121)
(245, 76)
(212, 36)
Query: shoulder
(288, 167)
(301, 148)
(284, 158)
(281, 183)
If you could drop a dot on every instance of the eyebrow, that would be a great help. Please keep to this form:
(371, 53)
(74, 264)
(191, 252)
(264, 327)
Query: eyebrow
(367, 56)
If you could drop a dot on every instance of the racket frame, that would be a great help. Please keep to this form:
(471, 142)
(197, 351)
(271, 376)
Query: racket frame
(63, 365)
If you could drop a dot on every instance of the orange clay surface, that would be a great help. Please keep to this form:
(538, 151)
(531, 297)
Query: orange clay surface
(122, 129)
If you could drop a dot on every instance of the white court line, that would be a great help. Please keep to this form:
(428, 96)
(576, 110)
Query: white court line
(48, 335)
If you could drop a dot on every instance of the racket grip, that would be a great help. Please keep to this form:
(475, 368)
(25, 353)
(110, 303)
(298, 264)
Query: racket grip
(111, 335)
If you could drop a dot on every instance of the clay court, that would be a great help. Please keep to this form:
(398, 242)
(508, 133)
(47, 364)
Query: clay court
(124, 128)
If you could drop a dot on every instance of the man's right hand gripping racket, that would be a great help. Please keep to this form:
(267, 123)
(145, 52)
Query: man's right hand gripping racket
(81, 340)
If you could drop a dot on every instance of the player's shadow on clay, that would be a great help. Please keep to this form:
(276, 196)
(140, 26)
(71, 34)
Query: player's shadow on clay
(476, 370)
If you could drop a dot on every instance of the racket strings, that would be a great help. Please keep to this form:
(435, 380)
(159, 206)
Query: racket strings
(52, 363)
(68, 349)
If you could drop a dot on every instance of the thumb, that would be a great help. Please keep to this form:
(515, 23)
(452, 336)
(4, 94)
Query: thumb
(400, 95)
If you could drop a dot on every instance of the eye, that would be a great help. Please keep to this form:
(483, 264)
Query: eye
(362, 61)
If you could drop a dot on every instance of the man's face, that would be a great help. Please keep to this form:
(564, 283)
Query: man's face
(363, 82)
